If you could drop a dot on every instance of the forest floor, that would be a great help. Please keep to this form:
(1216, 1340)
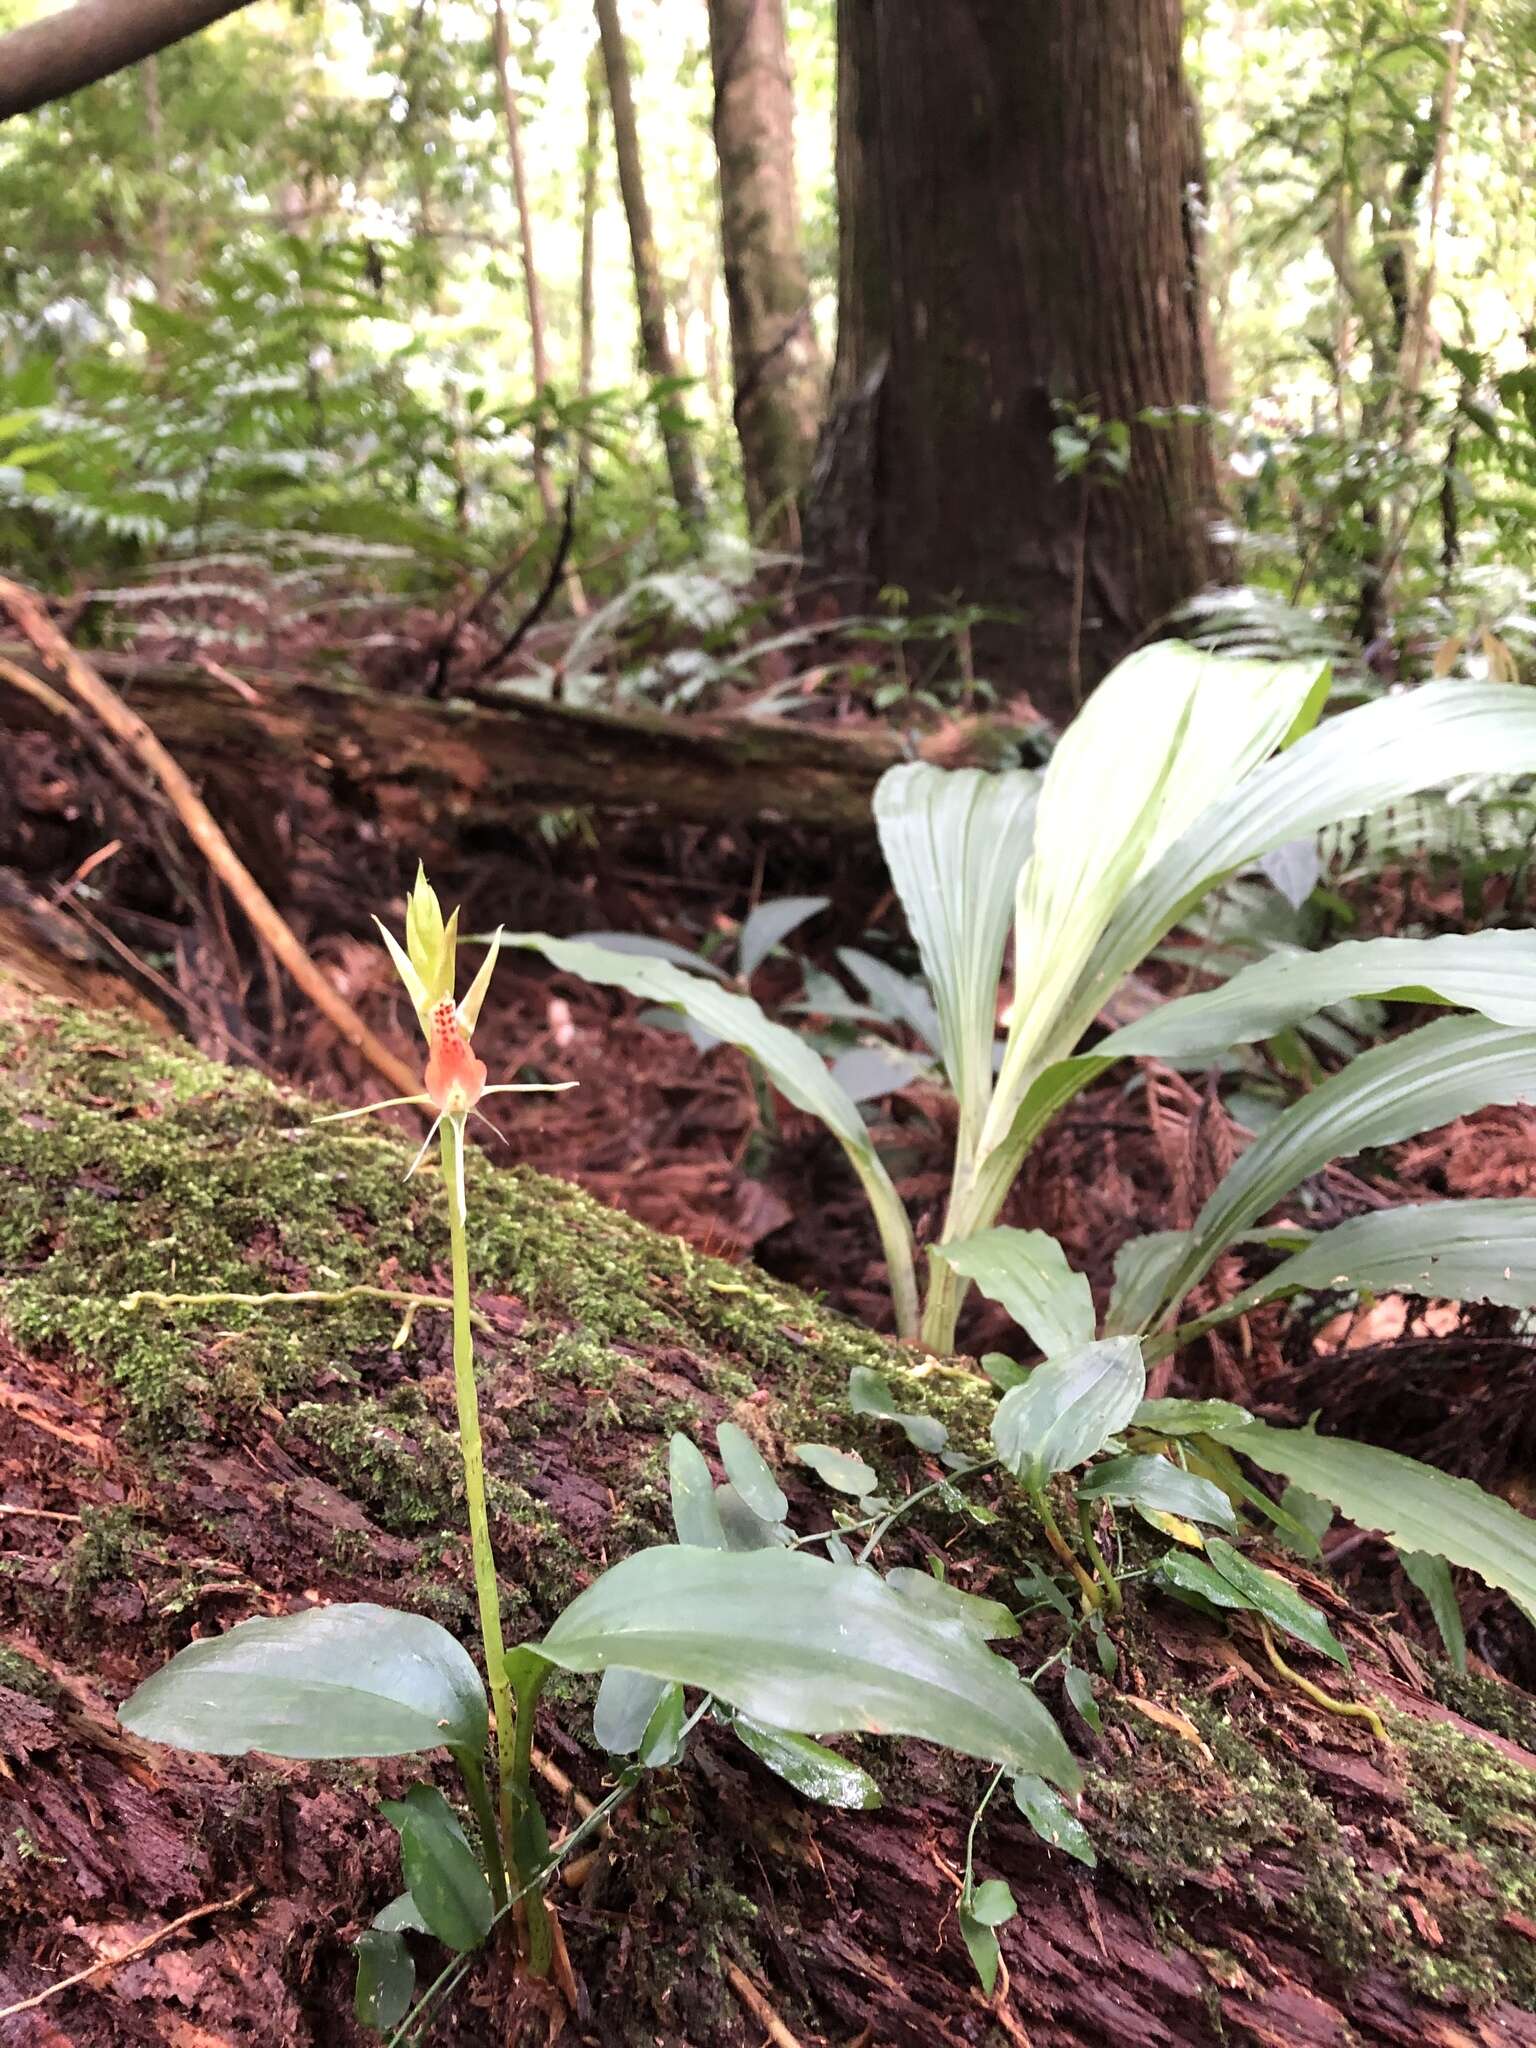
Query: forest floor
(96, 1572)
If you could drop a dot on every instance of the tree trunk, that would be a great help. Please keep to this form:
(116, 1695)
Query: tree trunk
(773, 340)
(1015, 253)
(531, 288)
(62, 52)
(1267, 1872)
(650, 297)
(589, 172)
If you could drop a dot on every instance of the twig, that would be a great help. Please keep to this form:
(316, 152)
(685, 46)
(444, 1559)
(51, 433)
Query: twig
(39, 1514)
(128, 1955)
(759, 2007)
(202, 828)
(545, 598)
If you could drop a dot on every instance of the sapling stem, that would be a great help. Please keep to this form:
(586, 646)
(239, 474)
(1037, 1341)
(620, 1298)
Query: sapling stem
(1063, 1549)
(467, 1402)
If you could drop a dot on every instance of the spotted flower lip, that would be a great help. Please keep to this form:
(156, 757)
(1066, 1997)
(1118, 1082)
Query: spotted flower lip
(454, 1082)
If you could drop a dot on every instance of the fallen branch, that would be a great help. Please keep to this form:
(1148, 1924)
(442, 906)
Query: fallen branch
(202, 828)
(129, 1955)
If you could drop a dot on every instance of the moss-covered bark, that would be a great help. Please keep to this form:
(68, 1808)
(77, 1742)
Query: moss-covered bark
(1266, 1871)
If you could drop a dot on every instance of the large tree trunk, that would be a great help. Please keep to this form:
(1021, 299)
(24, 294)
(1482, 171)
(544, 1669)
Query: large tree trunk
(1014, 246)
(773, 338)
(501, 50)
(650, 296)
(1269, 1875)
(58, 54)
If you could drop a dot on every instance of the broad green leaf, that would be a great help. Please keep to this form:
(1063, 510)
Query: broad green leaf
(1349, 767)
(1491, 972)
(347, 1680)
(868, 1072)
(386, 1980)
(1160, 1485)
(741, 1528)
(1173, 1417)
(769, 925)
(811, 1647)
(1068, 1408)
(1143, 1268)
(941, 1602)
(869, 1393)
(400, 1914)
(625, 1703)
(795, 1069)
(954, 841)
(981, 1946)
(815, 1771)
(695, 1516)
(1273, 1597)
(1080, 1692)
(1052, 1820)
(1429, 1077)
(443, 1874)
(748, 1472)
(1432, 1576)
(897, 997)
(662, 1742)
(1027, 1272)
(1416, 1506)
(844, 1470)
(992, 1903)
(1314, 1515)
(1452, 1251)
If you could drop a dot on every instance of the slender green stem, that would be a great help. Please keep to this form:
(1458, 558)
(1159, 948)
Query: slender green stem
(1107, 1578)
(472, 1768)
(1063, 1548)
(467, 1402)
(526, 1838)
(970, 1838)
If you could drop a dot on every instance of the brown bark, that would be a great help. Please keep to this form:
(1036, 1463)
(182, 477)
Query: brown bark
(1014, 238)
(63, 52)
(650, 296)
(773, 339)
(477, 765)
(589, 168)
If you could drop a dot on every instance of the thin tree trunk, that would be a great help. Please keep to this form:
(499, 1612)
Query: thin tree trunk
(773, 340)
(589, 171)
(62, 52)
(1014, 239)
(160, 221)
(676, 431)
(531, 288)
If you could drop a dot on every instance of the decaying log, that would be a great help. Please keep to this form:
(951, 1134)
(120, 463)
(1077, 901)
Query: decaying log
(488, 767)
(1268, 1873)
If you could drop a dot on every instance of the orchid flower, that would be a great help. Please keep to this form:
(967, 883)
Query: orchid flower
(454, 1082)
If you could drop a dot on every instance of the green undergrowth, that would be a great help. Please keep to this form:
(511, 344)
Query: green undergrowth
(127, 1163)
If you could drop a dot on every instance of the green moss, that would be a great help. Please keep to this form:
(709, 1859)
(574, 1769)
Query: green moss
(400, 1464)
(1488, 1702)
(103, 1551)
(19, 1674)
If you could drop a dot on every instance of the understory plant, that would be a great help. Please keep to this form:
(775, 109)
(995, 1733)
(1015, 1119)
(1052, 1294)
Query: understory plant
(779, 1643)
(1184, 769)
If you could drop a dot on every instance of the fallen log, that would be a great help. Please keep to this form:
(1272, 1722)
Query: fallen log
(486, 767)
(1267, 1872)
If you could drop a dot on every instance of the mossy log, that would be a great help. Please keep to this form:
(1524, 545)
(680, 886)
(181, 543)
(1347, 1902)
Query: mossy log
(1268, 1873)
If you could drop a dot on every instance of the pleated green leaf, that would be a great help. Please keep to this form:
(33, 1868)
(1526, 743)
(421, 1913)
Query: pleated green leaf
(1026, 1271)
(1068, 1409)
(1418, 1507)
(1445, 1070)
(1451, 1251)
(954, 841)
